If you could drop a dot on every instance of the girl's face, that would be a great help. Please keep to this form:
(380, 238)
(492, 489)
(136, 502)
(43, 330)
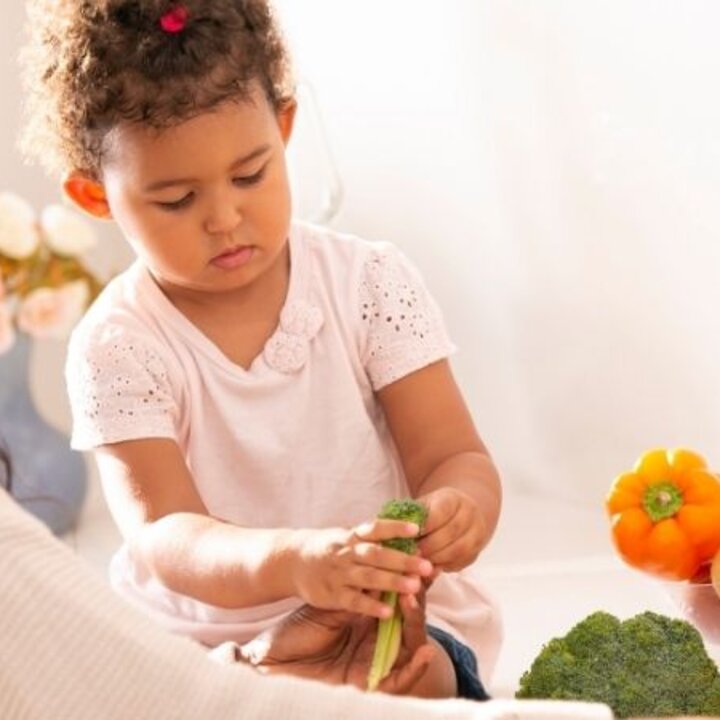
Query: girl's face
(206, 203)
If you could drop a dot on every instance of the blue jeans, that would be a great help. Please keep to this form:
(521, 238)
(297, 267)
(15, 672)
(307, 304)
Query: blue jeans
(469, 685)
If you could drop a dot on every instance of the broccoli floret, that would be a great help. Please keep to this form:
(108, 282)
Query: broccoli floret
(647, 665)
(408, 510)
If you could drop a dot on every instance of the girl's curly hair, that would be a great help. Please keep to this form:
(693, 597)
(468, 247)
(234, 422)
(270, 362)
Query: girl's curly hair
(92, 64)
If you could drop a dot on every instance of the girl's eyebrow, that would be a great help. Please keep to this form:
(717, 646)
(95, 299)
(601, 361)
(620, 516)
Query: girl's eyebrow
(257, 152)
(162, 184)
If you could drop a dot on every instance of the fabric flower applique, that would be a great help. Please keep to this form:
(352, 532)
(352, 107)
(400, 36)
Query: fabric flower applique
(288, 349)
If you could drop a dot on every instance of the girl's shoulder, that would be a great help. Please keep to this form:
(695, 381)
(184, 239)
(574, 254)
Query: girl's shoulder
(379, 297)
(344, 256)
(118, 313)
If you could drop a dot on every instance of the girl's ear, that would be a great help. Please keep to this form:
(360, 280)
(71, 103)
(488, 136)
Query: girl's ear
(286, 119)
(87, 194)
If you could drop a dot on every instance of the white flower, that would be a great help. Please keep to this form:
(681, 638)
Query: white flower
(18, 235)
(66, 232)
(7, 331)
(52, 312)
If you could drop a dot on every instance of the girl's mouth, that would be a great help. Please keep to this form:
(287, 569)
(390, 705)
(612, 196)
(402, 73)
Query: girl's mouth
(234, 258)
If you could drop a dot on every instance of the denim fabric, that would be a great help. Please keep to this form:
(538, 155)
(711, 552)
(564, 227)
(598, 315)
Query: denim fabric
(469, 685)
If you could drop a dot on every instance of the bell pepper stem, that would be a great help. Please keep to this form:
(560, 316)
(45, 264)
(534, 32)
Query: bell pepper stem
(662, 501)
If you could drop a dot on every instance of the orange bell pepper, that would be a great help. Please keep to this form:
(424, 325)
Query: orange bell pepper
(666, 513)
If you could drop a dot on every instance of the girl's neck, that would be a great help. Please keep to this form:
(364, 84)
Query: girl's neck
(239, 323)
(268, 290)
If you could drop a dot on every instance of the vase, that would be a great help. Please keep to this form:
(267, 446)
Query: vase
(48, 478)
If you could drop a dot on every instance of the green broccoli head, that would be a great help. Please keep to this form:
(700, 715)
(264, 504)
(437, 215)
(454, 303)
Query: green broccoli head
(408, 510)
(647, 665)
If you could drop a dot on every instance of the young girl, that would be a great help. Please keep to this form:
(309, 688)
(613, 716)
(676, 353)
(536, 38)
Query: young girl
(253, 388)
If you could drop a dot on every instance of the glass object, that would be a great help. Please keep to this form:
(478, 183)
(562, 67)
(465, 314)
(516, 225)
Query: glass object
(314, 177)
(48, 478)
(699, 604)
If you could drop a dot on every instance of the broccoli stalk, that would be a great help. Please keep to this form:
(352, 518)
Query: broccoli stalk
(389, 633)
(648, 665)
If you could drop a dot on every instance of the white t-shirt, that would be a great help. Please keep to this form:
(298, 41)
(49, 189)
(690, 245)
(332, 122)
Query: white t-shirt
(297, 440)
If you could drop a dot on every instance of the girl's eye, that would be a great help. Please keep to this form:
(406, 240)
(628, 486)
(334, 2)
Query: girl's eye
(176, 204)
(250, 179)
(243, 181)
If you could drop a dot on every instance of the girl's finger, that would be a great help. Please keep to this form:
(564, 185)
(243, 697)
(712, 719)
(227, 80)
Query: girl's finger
(369, 578)
(379, 530)
(363, 604)
(377, 556)
(454, 556)
(431, 545)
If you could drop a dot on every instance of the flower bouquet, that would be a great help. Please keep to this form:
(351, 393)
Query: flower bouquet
(44, 285)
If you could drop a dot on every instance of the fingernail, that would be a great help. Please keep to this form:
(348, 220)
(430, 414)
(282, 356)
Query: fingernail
(412, 528)
(426, 567)
(386, 612)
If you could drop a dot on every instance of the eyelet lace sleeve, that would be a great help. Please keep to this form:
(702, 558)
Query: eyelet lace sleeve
(119, 390)
(403, 325)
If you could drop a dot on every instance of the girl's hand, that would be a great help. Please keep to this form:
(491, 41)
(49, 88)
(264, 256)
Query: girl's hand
(334, 569)
(454, 531)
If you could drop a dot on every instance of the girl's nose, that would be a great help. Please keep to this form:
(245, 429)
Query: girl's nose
(223, 214)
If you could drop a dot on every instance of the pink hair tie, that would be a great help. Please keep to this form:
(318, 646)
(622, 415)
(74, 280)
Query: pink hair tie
(175, 19)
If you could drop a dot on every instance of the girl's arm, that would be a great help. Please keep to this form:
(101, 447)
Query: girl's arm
(153, 500)
(152, 497)
(445, 462)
